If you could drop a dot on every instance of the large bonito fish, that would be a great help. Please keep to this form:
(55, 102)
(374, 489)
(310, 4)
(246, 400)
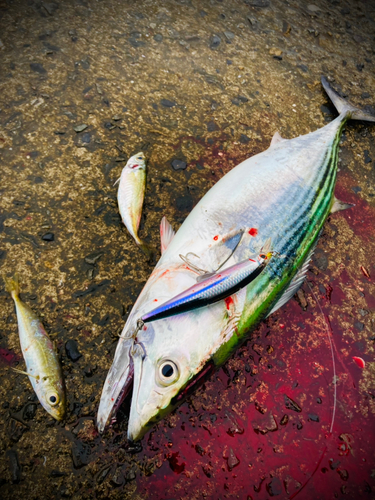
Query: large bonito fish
(285, 194)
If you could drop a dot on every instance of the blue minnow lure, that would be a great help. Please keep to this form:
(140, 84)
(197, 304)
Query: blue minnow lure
(207, 291)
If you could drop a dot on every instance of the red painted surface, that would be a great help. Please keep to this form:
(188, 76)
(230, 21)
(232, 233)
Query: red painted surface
(359, 361)
(253, 231)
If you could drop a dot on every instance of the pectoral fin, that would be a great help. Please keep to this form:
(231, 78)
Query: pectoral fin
(25, 373)
(338, 205)
(166, 234)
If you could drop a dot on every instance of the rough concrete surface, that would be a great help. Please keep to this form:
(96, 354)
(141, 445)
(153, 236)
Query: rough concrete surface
(206, 83)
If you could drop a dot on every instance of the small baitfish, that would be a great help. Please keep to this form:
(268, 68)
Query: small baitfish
(42, 364)
(215, 287)
(130, 195)
(284, 193)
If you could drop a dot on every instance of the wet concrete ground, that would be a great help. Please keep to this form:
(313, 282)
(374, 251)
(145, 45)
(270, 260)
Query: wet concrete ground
(207, 83)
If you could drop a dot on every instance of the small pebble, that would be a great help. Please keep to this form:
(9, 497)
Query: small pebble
(48, 237)
(178, 165)
(72, 351)
(80, 128)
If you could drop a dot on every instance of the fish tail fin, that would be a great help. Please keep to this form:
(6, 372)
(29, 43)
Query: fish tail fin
(344, 107)
(146, 249)
(12, 286)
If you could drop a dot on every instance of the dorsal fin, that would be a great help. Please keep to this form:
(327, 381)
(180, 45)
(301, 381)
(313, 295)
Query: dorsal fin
(166, 234)
(276, 139)
(294, 285)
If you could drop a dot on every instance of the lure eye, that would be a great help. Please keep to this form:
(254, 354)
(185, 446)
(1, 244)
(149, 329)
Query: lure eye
(263, 256)
(53, 398)
(139, 158)
(168, 373)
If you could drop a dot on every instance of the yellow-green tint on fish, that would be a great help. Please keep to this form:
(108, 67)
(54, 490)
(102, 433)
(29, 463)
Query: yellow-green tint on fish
(42, 363)
(130, 197)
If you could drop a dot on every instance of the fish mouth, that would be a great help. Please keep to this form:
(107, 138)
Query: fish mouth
(146, 412)
(117, 384)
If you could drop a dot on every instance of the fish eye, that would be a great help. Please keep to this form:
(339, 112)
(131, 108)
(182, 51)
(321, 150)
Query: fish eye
(167, 373)
(53, 398)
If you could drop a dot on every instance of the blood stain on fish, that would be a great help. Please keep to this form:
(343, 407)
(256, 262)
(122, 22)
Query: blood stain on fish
(216, 237)
(229, 302)
(253, 231)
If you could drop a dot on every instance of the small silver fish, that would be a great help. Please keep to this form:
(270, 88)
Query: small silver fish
(42, 364)
(130, 195)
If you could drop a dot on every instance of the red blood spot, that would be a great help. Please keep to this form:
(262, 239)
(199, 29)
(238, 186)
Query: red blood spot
(216, 237)
(229, 302)
(253, 231)
(359, 361)
(145, 328)
(112, 399)
(282, 325)
(155, 300)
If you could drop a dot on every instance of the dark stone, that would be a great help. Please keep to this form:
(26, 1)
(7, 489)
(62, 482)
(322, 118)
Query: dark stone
(199, 450)
(203, 13)
(29, 411)
(72, 351)
(313, 417)
(86, 138)
(334, 463)
(92, 289)
(57, 473)
(211, 126)
(38, 68)
(158, 37)
(319, 401)
(359, 326)
(229, 62)
(244, 139)
(215, 41)
(48, 237)
(38, 180)
(360, 66)
(184, 203)
(365, 95)
(303, 68)
(14, 466)
(80, 454)
(258, 3)
(179, 165)
(343, 474)
(102, 475)
(291, 405)
(284, 420)
(320, 260)
(274, 487)
(368, 158)
(356, 189)
(130, 475)
(167, 103)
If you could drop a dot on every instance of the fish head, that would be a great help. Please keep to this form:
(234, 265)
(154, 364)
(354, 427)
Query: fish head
(136, 162)
(172, 355)
(51, 394)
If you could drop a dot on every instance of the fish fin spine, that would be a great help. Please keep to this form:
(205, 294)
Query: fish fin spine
(12, 286)
(166, 234)
(344, 107)
(338, 205)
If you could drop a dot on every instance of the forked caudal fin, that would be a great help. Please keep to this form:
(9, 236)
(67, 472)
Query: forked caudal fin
(12, 285)
(344, 107)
